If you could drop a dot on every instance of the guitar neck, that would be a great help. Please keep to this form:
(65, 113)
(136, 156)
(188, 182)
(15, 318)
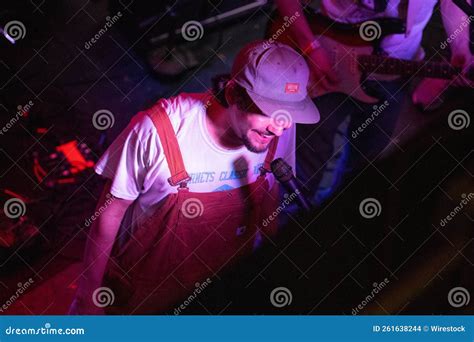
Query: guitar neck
(394, 66)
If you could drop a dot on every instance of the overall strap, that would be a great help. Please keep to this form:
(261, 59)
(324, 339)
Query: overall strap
(270, 155)
(173, 156)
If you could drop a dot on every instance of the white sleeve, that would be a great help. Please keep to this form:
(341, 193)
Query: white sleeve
(124, 162)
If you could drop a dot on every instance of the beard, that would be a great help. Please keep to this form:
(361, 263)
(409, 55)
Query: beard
(253, 147)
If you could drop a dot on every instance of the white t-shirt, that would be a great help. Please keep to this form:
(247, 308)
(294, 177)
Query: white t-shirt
(136, 164)
(396, 45)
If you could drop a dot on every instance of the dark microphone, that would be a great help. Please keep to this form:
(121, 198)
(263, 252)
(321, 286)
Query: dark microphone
(284, 174)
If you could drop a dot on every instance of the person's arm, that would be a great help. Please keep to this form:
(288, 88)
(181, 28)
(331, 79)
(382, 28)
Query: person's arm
(456, 24)
(301, 33)
(99, 244)
(430, 91)
(125, 165)
(300, 30)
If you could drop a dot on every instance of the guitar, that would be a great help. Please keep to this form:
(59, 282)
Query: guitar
(356, 59)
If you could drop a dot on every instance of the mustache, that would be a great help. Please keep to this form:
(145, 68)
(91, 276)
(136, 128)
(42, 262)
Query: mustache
(263, 132)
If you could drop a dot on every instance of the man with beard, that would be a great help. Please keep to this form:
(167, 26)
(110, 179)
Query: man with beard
(188, 179)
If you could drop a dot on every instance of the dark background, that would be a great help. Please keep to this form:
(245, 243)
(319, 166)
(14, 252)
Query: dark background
(329, 261)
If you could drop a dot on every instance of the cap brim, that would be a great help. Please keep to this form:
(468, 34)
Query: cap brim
(303, 112)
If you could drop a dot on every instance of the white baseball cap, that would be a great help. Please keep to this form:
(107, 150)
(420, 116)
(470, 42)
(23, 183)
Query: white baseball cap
(275, 77)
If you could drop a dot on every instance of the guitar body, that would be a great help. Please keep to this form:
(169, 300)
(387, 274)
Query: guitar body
(344, 59)
(344, 44)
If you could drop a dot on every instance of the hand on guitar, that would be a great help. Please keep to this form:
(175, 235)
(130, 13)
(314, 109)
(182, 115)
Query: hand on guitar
(429, 92)
(321, 68)
(466, 63)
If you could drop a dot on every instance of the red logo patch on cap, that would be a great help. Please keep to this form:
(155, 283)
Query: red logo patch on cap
(292, 88)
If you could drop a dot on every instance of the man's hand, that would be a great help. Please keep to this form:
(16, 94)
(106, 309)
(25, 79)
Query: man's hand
(321, 67)
(99, 244)
(465, 63)
(317, 58)
(320, 64)
(429, 92)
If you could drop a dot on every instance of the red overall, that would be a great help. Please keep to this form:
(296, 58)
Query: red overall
(190, 238)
